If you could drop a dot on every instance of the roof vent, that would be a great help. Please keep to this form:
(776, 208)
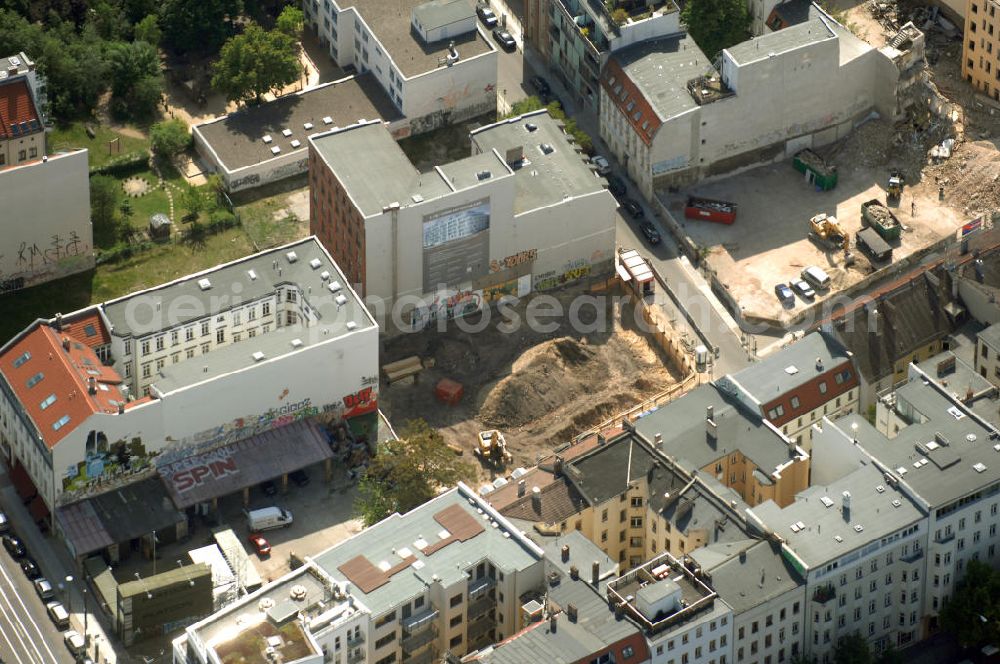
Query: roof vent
(417, 198)
(791, 370)
(328, 120)
(351, 325)
(858, 528)
(296, 343)
(483, 175)
(267, 138)
(334, 286)
(286, 132)
(204, 284)
(838, 538)
(324, 275)
(307, 125)
(979, 467)
(971, 438)
(315, 263)
(276, 150)
(896, 502)
(546, 148)
(827, 501)
(258, 356)
(296, 143)
(252, 275)
(340, 300)
(880, 488)
(292, 256)
(530, 126)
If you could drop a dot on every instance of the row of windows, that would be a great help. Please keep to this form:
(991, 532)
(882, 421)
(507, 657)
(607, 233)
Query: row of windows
(190, 352)
(189, 332)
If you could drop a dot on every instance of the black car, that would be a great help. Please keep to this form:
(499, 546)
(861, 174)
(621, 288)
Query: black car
(633, 208)
(505, 39)
(14, 546)
(269, 488)
(648, 230)
(616, 185)
(487, 16)
(541, 86)
(30, 569)
(300, 477)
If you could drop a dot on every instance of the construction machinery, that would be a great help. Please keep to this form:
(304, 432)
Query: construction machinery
(491, 448)
(826, 229)
(894, 190)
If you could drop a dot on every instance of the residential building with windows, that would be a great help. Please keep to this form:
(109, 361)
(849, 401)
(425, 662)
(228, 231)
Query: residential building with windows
(111, 394)
(988, 353)
(430, 57)
(981, 47)
(522, 213)
(22, 103)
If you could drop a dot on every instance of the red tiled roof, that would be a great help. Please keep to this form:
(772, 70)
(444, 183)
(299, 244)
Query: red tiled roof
(42, 370)
(88, 329)
(16, 107)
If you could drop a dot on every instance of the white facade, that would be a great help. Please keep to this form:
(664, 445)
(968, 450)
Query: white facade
(46, 220)
(772, 631)
(707, 640)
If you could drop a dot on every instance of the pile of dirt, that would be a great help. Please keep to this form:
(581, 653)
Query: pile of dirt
(866, 146)
(545, 378)
(971, 178)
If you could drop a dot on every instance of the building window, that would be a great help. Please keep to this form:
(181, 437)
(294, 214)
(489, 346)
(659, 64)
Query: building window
(822, 387)
(175, 337)
(457, 620)
(455, 641)
(455, 601)
(205, 348)
(220, 336)
(291, 296)
(188, 333)
(128, 346)
(159, 342)
(146, 370)
(266, 309)
(189, 353)
(22, 155)
(237, 318)
(128, 370)
(637, 501)
(795, 402)
(204, 328)
(144, 347)
(252, 313)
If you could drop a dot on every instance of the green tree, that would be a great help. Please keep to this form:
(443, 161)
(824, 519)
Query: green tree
(193, 200)
(852, 649)
(254, 63)
(105, 195)
(169, 138)
(619, 16)
(148, 30)
(716, 24)
(290, 22)
(526, 105)
(408, 472)
(199, 26)
(136, 79)
(972, 614)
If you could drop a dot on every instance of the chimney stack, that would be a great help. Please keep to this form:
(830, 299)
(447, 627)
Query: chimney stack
(574, 572)
(658, 439)
(121, 408)
(571, 612)
(92, 385)
(595, 573)
(709, 412)
(565, 552)
(601, 440)
(65, 343)
(846, 504)
(557, 466)
(58, 323)
(552, 623)
(819, 364)
(536, 498)
(522, 488)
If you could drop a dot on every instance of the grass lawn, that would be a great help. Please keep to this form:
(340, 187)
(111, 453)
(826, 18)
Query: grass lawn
(271, 222)
(75, 136)
(162, 263)
(156, 200)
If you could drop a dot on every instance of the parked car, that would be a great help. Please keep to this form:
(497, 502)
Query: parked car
(14, 546)
(269, 488)
(58, 614)
(4, 523)
(300, 477)
(260, 545)
(541, 86)
(30, 569)
(784, 293)
(817, 277)
(487, 16)
(505, 39)
(633, 208)
(601, 164)
(43, 588)
(616, 185)
(803, 289)
(648, 230)
(75, 642)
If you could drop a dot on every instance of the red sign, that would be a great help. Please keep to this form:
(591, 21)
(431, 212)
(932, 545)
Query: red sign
(211, 470)
(362, 402)
(972, 226)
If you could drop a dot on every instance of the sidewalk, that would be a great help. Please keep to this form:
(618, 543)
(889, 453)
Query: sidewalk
(55, 561)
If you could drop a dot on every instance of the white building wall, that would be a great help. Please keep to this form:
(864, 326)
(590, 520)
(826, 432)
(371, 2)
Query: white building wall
(705, 640)
(650, 28)
(772, 631)
(451, 93)
(45, 223)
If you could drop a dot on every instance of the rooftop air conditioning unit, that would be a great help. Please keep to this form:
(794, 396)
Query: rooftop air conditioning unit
(204, 284)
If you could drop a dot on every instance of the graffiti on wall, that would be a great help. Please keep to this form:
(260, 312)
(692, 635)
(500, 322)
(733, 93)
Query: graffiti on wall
(29, 263)
(105, 464)
(570, 272)
(446, 307)
(186, 474)
(520, 258)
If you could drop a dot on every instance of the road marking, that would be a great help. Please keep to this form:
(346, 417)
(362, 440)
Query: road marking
(27, 615)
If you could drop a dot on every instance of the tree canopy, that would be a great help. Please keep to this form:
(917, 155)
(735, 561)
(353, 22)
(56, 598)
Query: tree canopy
(136, 80)
(256, 62)
(199, 26)
(169, 137)
(290, 22)
(408, 472)
(716, 24)
(105, 196)
(972, 613)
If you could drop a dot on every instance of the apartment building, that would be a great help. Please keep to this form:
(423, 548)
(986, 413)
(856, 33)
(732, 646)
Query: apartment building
(812, 378)
(988, 353)
(859, 541)
(22, 125)
(449, 576)
(430, 57)
(523, 212)
(981, 47)
(184, 371)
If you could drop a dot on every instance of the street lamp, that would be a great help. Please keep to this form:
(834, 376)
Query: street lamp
(86, 635)
(69, 593)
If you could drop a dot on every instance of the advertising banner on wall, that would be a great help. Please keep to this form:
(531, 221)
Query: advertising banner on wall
(456, 245)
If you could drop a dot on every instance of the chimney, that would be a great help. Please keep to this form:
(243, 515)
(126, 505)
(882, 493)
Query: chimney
(552, 623)
(574, 572)
(536, 498)
(819, 364)
(595, 573)
(658, 439)
(619, 611)
(709, 412)
(92, 385)
(121, 408)
(571, 612)
(65, 343)
(846, 504)
(58, 323)
(565, 552)
(522, 488)
(743, 556)
(557, 466)
(601, 440)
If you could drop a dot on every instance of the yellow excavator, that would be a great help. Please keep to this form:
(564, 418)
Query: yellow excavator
(491, 447)
(827, 230)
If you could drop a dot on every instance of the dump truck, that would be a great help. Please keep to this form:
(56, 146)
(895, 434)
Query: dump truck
(869, 241)
(492, 448)
(877, 215)
(894, 190)
(706, 209)
(826, 229)
(818, 172)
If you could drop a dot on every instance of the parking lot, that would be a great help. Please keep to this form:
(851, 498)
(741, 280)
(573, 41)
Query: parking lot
(769, 242)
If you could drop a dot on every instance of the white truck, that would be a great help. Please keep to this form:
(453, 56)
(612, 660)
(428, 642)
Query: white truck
(268, 518)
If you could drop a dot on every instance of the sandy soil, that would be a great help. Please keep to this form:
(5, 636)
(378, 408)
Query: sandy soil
(539, 389)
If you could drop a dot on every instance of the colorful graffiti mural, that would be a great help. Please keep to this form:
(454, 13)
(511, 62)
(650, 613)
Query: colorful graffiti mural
(446, 307)
(103, 463)
(571, 271)
(520, 258)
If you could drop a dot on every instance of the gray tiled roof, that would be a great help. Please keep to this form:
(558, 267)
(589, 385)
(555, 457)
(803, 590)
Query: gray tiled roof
(755, 578)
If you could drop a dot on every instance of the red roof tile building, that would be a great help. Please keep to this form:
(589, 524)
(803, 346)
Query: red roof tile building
(22, 131)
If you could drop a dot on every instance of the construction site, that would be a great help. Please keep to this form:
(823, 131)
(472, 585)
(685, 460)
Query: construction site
(535, 389)
(865, 203)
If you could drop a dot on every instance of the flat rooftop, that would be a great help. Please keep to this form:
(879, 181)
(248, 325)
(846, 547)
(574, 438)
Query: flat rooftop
(553, 168)
(240, 282)
(754, 578)
(472, 170)
(791, 367)
(784, 40)
(400, 556)
(384, 176)
(237, 138)
(389, 20)
(819, 530)
(661, 69)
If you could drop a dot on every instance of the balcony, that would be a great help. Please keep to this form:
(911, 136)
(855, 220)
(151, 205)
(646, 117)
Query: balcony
(481, 606)
(944, 539)
(480, 629)
(413, 643)
(480, 586)
(420, 620)
(913, 556)
(355, 639)
(824, 594)
(356, 656)
(426, 657)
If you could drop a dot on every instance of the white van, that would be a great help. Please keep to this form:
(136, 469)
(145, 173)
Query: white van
(817, 277)
(268, 518)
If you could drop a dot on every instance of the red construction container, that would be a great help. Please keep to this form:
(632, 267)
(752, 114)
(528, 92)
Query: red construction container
(706, 209)
(449, 391)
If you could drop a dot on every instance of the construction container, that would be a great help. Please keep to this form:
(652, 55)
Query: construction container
(817, 170)
(706, 209)
(881, 218)
(449, 391)
(871, 243)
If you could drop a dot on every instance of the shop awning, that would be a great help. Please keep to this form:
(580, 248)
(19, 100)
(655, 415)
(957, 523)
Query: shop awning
(230, 468)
